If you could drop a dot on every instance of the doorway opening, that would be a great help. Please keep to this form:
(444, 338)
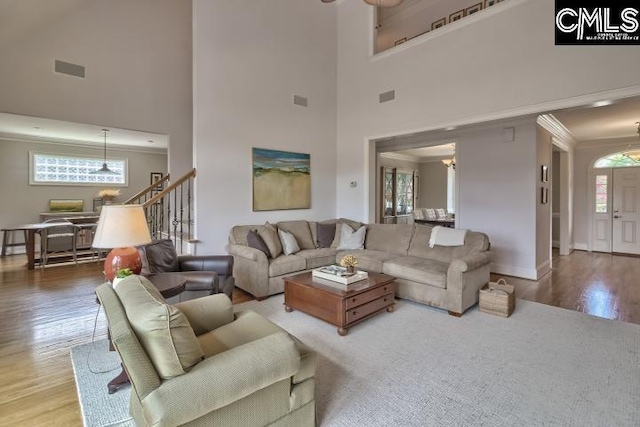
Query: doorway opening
(415, 184)
(614, 205)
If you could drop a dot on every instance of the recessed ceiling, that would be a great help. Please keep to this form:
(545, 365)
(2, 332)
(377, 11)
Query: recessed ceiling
(616, 120)
(426, 152)
(56, 131)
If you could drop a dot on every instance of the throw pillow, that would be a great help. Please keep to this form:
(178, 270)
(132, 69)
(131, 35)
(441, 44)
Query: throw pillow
(255, 241)
(326, 234)
(159, 256)
(163, 330)
(350, 239)
(289, 242)
(269, 234)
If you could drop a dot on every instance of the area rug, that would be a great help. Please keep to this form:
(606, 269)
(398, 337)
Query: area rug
(418, 366)
(94, 366)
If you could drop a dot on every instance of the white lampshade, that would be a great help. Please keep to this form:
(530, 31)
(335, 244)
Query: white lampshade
(121, 226)
(383, 3)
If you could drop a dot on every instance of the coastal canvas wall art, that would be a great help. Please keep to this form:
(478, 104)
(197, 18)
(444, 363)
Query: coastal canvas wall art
(281, 180)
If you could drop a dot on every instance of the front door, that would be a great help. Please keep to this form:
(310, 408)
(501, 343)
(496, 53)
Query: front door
(626, 210)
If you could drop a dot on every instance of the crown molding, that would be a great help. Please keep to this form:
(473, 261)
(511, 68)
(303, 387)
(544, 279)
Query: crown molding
(398, 156)
(514, 115)
(76, 143)
(562, 136)
(620, 143)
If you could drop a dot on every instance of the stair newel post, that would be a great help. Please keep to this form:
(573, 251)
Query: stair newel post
(181, 217)
(189, 208)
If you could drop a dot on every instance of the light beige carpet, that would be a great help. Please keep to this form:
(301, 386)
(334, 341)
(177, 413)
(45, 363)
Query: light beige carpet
(418, 366)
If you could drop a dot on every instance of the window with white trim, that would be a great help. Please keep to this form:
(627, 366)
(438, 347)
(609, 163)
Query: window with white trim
(601, 193)
(57, 169)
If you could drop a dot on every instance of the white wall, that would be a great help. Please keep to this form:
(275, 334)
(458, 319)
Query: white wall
(433, 185)
(493, 65)
(249, 59)
(137, 56)
(555, 190)
(543, 211)
(498, 195)
(23, 202)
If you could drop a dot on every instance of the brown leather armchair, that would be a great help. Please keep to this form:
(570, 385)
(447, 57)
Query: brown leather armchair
(205, 274)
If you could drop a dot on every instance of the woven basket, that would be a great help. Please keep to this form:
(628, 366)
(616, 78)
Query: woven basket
(498, 298)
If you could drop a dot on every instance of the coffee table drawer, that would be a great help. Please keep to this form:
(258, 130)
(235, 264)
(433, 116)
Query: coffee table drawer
(367, 296)
(358, 313)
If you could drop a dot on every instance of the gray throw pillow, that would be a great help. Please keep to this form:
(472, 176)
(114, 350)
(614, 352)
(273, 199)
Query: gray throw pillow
(326, 234)
(289, 242)
(255, 241)
(350, 239)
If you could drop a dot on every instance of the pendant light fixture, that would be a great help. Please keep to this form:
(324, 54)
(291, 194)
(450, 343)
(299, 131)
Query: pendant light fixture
(104, 170)
(633, 154)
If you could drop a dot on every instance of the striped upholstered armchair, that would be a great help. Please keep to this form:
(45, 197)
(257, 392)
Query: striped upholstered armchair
(199, 363)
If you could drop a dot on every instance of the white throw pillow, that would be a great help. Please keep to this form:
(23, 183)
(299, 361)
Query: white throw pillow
(289, 242)
(350, 239)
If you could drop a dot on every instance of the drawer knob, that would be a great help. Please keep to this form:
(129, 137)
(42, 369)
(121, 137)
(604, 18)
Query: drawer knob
(385, 300)
(354, 299)
(354, 313)
(385, 288)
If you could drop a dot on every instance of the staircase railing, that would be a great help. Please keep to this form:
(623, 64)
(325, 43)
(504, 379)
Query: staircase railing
(169, 211)
(147, 193)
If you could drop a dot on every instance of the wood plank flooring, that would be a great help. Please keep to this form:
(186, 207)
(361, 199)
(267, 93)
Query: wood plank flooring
(45, 312)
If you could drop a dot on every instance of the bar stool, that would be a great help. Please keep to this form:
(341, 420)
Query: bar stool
(6, 233)
(58, 239)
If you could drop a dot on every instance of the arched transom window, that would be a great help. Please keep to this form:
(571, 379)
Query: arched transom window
(618, 160)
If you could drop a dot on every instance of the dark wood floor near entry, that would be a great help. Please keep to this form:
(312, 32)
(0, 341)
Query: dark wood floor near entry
(43, 312)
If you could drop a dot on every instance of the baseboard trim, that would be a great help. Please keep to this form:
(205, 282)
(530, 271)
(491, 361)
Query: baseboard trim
(580, 246)
(509, 270)
(543, 269)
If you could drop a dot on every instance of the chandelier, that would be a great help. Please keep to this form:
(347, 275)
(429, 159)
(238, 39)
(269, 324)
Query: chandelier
(451, 163)
(634, 154)
(379, 3)
(104, 170)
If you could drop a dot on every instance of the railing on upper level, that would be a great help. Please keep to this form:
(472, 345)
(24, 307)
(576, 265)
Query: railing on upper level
(169, 209)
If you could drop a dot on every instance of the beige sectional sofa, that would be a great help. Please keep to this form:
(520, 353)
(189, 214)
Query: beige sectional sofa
(446, 277)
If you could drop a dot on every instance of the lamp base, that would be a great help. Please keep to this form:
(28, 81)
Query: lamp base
(120, 258)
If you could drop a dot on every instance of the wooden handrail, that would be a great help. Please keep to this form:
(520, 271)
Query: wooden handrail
(148, 189)
(185, 177)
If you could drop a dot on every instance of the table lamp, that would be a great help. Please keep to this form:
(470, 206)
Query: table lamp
(120, 228)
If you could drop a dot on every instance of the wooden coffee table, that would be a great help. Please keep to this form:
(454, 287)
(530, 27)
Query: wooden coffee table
(343, 308)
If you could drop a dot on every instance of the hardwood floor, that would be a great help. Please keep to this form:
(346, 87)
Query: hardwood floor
(45, 312)
(602, 285)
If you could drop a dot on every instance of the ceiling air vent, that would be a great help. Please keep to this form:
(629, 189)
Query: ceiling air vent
(69, 68)
(387, 96)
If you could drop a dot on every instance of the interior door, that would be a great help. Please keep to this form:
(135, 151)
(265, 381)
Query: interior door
(626, 210)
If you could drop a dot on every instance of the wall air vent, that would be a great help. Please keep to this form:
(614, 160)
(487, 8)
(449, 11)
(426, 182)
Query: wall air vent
(387, 96)
(69, 68)
(299, 100)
